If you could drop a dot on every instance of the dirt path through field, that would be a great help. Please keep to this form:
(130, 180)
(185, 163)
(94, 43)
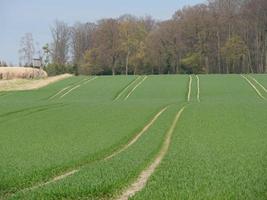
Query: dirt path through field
(130, 93)
(127, 87)
(254, 87)
(141, 181)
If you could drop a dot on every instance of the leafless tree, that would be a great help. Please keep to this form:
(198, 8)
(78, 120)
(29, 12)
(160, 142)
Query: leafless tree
(27, 49)
(220, 36)
(81, 40)
(61, 42)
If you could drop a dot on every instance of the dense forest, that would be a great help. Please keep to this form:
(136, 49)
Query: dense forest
(218, 36)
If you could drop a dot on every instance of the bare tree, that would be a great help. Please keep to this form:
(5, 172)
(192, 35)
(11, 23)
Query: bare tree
(27, 49)
(60, 46)
(220, 36)
(107, 43)
(81, 41)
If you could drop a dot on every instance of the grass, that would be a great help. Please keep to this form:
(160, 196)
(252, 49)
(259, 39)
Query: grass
(261, 82)
(221, 156)
(53, 136)
(104, 178)
(169, 89)
(218, 149)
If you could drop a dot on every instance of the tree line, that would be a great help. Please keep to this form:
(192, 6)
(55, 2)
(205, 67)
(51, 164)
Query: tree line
(220, 36)
(4, 63)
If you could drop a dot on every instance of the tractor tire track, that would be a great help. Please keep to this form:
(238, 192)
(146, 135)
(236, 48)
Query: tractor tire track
(113, 154)
(5, 94)
(189, 88)
(69, 86)
(138, 135)
(57, 178)
(58, 93)
(126, 88)
(198, 88)
(29, 112)
(253, 86)
(69, 91)
(131, 92)
(144, 176)
(27, 109)
(89, 80)
(83, 82)
(258, 83)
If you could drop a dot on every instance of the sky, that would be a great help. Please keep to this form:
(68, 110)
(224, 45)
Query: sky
(18, 17)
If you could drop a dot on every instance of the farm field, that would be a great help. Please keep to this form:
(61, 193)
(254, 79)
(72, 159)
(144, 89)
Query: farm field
(137, 137)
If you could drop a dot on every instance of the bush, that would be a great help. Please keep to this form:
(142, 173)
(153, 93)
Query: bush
(192, 64)
(56, 69)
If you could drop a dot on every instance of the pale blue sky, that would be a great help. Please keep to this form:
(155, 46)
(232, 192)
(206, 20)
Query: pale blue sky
(18, 17)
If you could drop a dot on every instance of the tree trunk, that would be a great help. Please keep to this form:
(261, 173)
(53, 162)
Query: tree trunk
(114, 66)
(179, 63)
(127, 62)
(177, 67)
(229, 31)
(227, 67)
(159, 64)
(257, 50)
(207, 64)
(243, 64)
(265, 70)
(219, 49)
(135, 70)
(229, 20)
(250, 62)
(262, 62)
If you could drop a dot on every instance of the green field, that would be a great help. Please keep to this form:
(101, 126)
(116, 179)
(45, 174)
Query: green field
(92, 137)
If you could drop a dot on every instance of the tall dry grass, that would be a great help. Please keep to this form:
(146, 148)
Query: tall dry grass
(7, 73)
(30, 84)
